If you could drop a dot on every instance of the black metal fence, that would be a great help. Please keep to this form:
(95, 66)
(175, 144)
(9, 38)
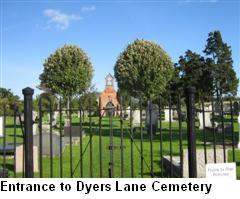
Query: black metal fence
(165, 138)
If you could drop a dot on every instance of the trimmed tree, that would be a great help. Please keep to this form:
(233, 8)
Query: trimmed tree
(67, 72)
(143, 69)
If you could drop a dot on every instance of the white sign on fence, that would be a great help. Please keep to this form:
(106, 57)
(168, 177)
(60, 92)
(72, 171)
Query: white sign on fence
(1, 126)
(221, 170)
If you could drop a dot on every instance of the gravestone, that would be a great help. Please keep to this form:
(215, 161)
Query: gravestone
(46, 143)
(1, 126)
(217, 108)
(226, 107)
(175, 115)
(54, 118)
(166, 115)
(46, 128)
(127, 113)
(152, 113)
(80, 113)
(227, 128)
(35, 115)
(207, 115)
(35, 129)
(209, 107)
(75, 133)
(201, 166)
(19, 166)
(18, 119)
(66, 122)
(136, 118)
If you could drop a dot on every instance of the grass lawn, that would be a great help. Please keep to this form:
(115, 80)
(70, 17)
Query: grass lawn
(134, 146)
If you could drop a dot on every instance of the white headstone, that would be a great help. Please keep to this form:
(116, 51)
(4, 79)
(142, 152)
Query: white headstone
(166, 115)
(1, 126)
(80, 113)
(18, 119)
(66, 122)
(127, 112)
(34, 115)
(226, 108)
(208, 122)
(136, 118)
(35, 129)
(46, 144)
(210, 107)
(54, 119)
(201, 165)
(45, 128)
(55, 115)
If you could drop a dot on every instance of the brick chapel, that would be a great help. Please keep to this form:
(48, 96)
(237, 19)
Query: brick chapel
(108, 97)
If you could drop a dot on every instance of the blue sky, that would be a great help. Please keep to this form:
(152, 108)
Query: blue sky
(31, 30)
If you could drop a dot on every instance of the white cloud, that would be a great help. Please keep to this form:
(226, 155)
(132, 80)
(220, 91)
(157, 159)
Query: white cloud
(59, 19)
(88, 8)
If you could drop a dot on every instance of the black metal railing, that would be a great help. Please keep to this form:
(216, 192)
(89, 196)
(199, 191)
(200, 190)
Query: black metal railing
(135, 139)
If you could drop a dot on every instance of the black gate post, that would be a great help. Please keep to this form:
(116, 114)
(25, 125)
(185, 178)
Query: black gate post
(28, 131)
(192, 162)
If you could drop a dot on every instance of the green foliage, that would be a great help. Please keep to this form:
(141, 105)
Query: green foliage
(89, 99)
(8, 99)
(46, 98)
(195, 71)
(67, 72)
(124, 98)
(210, 75)
(224, 77)
(143, 70)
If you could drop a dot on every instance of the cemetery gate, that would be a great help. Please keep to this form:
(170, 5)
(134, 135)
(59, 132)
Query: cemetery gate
(173, 136)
